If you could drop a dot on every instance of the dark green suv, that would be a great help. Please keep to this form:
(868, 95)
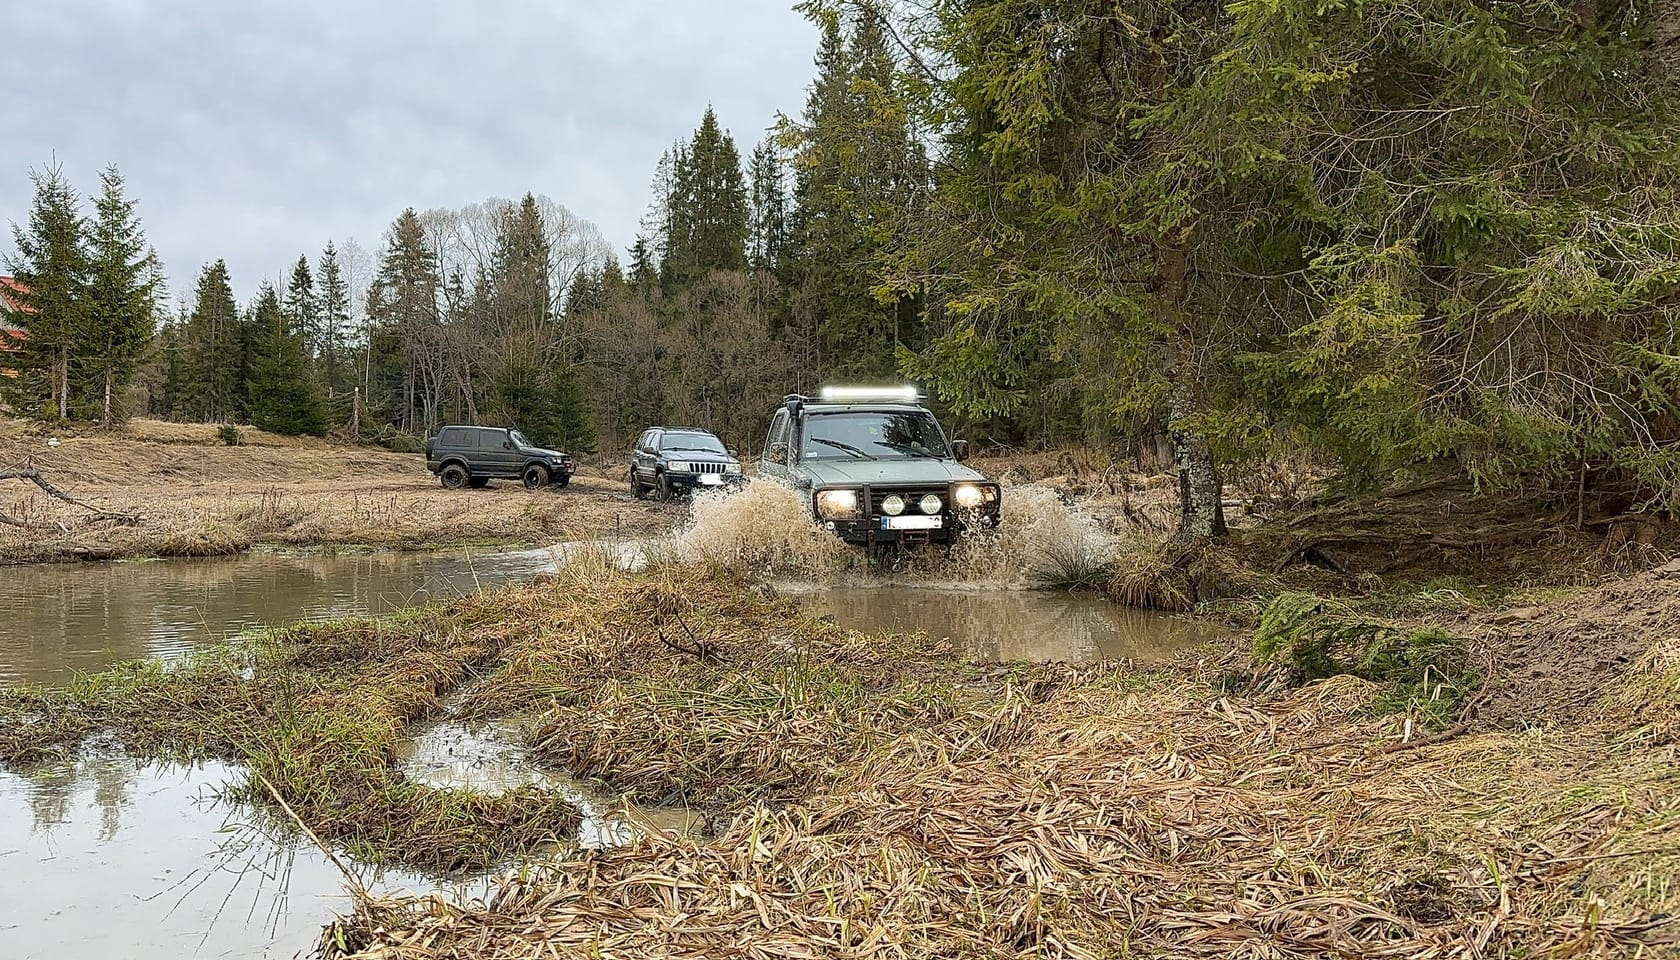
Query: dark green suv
(877, 467)
(473, 456)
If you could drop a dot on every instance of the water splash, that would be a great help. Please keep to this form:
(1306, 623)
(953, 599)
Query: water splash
(766, 528)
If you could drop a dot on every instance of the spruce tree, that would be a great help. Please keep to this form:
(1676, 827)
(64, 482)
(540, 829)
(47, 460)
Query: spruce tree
(331, 355)
(125, 281)
(303, 306)
(404, 379)
(51, 267)
(707, 222)
(213, 351)
(282, 396)
(766, 245)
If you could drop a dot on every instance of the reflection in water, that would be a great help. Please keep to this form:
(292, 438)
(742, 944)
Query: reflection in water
(1010, 624)
(102, 858)
(488, 757)
(60, 619)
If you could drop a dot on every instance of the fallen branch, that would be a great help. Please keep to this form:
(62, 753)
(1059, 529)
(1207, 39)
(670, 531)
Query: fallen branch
(99, 514)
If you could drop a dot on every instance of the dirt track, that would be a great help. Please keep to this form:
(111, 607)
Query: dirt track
(200, 497)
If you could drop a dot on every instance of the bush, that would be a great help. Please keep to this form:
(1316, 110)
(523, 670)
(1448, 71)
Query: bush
(1318, 638)
(230, 435)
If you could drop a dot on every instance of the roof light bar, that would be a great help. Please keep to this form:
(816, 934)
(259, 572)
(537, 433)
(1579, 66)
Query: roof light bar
(849, 394)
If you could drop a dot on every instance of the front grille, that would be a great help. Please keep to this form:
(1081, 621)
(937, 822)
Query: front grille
(708, 467)
(912, 498)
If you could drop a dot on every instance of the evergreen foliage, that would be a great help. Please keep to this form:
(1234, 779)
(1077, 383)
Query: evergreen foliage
(125, 281)
(52, 269)
(281, 396)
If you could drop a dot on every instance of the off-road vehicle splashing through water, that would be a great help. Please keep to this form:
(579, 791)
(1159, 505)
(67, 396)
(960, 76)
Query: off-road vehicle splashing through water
(877, 467)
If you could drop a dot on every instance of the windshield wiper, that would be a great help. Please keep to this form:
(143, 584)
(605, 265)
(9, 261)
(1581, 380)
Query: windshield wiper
(843, 446)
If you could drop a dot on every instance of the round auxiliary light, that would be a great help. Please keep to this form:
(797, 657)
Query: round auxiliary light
(893, 505)
(931, 503)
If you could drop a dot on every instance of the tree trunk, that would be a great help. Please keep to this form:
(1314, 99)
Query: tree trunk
(1201, 491)
(106, 417)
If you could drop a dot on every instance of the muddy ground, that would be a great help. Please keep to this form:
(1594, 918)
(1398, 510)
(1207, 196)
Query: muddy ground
(200, 497)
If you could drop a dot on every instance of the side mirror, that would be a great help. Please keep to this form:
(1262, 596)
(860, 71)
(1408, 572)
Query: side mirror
(507, 444)
(778, 453)
(960, 449)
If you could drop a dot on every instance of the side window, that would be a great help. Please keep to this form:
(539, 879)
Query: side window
(491, 439)
(452, 438)
(776, 442)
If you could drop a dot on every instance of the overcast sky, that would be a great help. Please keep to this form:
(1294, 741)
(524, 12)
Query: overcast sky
(256, 132)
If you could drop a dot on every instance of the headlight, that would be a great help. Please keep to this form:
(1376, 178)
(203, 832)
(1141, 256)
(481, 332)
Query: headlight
(931, 504)
(893, 505)
(680, 466)
(968, 496)
(837, 504)
(734, 468)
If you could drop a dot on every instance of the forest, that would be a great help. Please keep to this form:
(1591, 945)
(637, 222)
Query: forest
(1394, 235)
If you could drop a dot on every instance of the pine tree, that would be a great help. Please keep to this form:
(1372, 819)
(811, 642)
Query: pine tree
(405, 365)
(331, 355)
(644, 264)
(303, 306)
(214, 351)
(125, 281)
(707, 222)
(281, 396)
(857, 171)
(51, 267)
(767, 243)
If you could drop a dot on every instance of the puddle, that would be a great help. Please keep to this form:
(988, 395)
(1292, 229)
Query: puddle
(102, 857)
(489, 757)
(1009, 624)
(57, 620)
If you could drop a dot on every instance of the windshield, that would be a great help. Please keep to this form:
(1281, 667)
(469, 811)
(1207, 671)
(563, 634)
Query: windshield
(703, 442)
(519, 439)
(872, 436)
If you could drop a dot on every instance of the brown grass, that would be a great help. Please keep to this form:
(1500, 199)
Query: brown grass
(200, 497)
(1097, 813)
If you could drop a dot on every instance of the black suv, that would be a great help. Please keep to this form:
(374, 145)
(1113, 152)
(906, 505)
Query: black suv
(877, 468)
(473, 456)
(675, 460)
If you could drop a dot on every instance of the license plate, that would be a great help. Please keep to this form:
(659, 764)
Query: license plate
(912, 523)
(711, 480)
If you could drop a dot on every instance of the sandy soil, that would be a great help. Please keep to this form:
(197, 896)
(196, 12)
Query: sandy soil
(200, 497)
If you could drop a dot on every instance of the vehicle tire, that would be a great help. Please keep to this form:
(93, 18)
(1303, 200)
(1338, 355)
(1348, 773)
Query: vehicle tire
(562, 481)
(666, 495)
(535, 476)
(636, 486)
(454, 477)
(478, 483)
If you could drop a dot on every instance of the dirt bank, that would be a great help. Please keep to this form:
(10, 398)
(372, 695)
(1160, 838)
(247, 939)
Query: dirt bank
(200, 497)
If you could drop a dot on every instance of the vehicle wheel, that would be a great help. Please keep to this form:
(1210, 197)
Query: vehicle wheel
(665, 492)
(636, 486)
(562, 481)
(454, 477)
(478, 483)
(535, 476)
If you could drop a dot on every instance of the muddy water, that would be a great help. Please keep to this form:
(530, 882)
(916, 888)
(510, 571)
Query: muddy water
(60, 619)
(1009, 624)
(101, 857)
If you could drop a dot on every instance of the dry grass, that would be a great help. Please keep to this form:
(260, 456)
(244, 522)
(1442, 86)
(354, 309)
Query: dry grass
(200, 497)
(1095, 813)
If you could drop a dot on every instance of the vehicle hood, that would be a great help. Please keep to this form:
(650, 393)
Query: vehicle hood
(698, 456)
(544, 452)
(838, 473)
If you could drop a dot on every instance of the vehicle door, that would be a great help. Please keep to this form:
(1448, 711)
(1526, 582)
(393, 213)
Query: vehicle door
(778, 447)
(647, 456)
(497, 452)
